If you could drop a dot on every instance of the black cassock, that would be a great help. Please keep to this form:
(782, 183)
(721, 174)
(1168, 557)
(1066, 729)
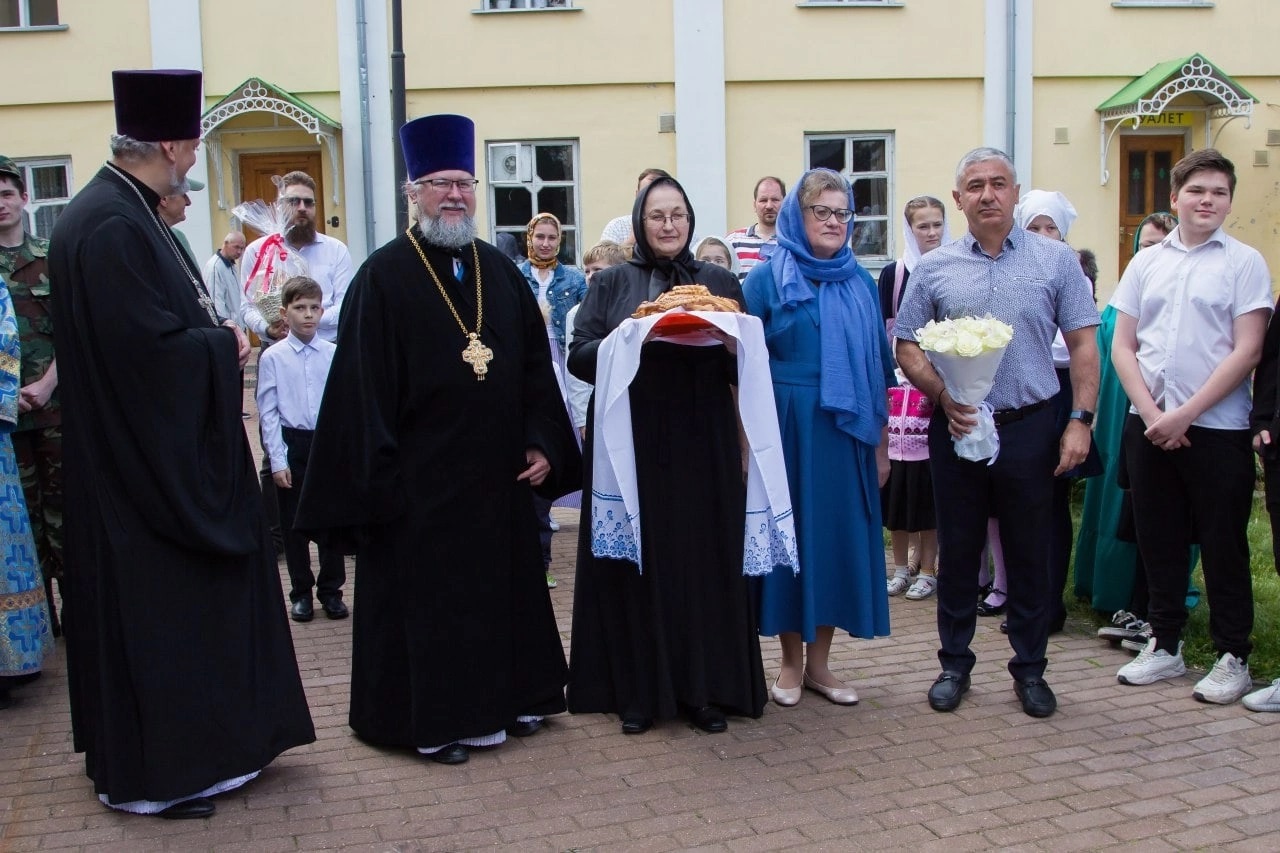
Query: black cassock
(414, 468)
(179, 658)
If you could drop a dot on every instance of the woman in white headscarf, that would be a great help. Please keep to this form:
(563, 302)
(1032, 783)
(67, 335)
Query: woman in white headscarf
(906, 501)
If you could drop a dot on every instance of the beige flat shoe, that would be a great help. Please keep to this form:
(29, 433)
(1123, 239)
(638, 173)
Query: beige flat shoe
(786, 696)
(838, 695)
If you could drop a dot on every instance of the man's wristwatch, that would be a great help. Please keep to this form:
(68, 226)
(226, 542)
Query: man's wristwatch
(1083, 415)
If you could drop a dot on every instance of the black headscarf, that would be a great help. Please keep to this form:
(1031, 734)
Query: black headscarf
(683, 268)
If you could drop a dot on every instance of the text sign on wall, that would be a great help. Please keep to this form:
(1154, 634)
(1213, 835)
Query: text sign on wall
(1168, 119)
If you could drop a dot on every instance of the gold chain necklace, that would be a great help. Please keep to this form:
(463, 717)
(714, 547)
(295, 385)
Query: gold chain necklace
(476, 353)
(202, 295)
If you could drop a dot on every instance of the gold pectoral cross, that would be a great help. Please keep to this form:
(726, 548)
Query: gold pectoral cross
(477, 355)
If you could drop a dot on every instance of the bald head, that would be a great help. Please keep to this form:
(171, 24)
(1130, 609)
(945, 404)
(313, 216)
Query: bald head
(233, 245)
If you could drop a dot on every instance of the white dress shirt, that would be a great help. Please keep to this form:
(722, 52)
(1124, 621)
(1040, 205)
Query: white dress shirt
(328, 262)
(291, 382)
(1186, 302)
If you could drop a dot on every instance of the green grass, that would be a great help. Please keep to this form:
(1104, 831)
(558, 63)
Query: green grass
(1264, 662)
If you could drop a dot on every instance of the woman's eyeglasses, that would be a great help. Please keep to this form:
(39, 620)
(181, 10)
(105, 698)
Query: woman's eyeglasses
(658, 220)
(822, 213)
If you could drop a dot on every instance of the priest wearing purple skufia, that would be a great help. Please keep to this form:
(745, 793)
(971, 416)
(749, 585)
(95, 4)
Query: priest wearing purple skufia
(180, 664)
(440, 420)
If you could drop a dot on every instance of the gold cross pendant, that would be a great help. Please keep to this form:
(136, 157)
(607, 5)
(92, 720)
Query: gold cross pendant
(477, 355)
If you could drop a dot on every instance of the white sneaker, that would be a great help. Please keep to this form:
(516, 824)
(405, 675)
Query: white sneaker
(1266, 699)
(924, 587)
(898, 584)
(1226, 682)
(1151, 666)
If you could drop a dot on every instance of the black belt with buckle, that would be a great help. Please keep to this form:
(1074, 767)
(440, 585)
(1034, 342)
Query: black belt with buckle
(1008, 416)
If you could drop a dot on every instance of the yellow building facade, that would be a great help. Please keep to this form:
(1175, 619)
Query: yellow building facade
(573, 98)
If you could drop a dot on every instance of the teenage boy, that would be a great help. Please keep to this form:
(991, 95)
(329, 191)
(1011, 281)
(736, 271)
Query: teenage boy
(1193, 310)
(291, 380)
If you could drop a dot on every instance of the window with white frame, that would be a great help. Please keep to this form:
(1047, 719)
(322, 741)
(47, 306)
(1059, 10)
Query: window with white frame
(21, 14)
(48, 183)
(504, 5)
(535, 177)
(866, 159)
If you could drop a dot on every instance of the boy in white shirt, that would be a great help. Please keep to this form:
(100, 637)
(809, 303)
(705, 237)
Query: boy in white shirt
(291, 380)
(1192, 313)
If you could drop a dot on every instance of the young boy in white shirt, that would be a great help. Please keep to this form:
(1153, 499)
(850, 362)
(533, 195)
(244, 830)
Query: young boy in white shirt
(291, 380)
(1193, 310)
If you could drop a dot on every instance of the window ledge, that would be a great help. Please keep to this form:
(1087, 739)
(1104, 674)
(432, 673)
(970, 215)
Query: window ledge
(858, 4)
(1162, 4)
(523, 11)
(48, 28)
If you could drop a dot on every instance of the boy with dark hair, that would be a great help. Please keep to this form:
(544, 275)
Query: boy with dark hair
(1192, 311)
(291, 380)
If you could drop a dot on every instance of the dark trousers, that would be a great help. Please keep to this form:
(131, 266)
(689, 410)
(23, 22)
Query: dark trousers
(297, 550)
(542, 509)
(1018, 491)
(1207, 487)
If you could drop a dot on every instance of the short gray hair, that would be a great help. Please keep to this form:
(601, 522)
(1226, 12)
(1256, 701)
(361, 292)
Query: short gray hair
(132, 150)
(979, 155)
(819, 181)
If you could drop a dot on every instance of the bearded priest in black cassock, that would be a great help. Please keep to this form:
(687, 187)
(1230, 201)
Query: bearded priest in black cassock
(440, 419)
(180, 664)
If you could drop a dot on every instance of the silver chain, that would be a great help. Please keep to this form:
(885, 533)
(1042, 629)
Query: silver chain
(202, 295)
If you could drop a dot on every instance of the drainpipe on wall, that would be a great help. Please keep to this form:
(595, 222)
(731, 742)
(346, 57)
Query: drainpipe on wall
(366, 147)
(398, 110)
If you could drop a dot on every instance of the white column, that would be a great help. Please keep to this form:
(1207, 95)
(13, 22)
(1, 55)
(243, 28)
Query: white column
(176, 43)
(1007, 81)
(995, 76)
(1023, 78)
(360, 166)
(700, 129)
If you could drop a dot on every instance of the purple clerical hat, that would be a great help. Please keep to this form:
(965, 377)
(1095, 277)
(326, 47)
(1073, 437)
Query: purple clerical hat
(436, 143)
(158, 106)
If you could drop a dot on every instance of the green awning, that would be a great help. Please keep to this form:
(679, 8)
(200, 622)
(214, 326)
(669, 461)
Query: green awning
(1151, 93)
(257, 95)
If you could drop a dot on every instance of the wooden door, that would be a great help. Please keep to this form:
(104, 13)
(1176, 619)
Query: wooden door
(257, 170)
(1145, 182)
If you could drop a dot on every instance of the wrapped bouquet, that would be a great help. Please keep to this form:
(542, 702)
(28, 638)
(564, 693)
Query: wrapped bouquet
(966, 352)
(276, 262)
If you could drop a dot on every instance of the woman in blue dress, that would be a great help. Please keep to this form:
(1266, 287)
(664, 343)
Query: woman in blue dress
(831, 367)
(24, 612)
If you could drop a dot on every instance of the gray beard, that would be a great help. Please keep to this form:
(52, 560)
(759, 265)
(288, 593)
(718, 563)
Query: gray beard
(444, 235)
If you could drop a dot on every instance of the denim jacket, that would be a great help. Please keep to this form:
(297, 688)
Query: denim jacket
(568, 286)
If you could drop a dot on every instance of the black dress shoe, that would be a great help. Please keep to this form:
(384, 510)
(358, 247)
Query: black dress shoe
(985, 609)
(302, 610)
(1004, 627)
(635, 724)
(1037, 698)
(454, 753)
(189, 810)
(709, 719)
(335, 609)
(946, 691)
(524, 728)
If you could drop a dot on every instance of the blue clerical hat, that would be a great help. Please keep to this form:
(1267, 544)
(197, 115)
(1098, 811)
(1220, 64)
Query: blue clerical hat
(436, 143)
(158, 106)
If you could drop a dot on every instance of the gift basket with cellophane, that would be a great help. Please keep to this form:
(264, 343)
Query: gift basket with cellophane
(277, 261)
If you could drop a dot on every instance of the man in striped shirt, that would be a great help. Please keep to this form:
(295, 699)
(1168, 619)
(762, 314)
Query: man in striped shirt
(756, 243)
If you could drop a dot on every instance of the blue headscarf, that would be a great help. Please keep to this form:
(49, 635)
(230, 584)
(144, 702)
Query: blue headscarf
(852, 375)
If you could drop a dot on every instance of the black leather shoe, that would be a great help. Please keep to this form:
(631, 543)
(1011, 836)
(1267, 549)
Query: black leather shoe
(454, 753)
(1004, 627)
(985, 609)
(335, 609)
(1037, 698)
(524, 728)
(946, 691)
(302, 610)
(709, 719)
(634, 724)
(189, 810)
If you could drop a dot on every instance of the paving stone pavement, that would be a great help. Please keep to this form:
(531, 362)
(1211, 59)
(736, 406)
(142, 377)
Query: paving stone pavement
(1135, 768)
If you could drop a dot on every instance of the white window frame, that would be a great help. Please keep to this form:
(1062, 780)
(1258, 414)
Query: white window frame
(34, 204)
(887, 137)
(24, 20)
(525, 5)
(525, 176)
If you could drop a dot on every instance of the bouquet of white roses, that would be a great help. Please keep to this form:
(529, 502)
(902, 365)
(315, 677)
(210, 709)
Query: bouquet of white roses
(966, 352)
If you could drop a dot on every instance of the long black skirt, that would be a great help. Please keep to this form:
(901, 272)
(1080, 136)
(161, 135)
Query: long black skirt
(682, 633)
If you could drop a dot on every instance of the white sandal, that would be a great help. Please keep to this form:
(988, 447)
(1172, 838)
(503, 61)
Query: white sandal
(898, 584)
(924, 587)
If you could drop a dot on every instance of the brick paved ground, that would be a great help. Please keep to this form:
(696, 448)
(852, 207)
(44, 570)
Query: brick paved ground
(1137, 768)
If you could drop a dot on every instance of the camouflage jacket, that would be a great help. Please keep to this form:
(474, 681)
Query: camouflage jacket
(27, 274)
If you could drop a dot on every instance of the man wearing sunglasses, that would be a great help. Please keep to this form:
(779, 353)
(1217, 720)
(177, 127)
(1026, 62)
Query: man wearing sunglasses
(327, 259)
